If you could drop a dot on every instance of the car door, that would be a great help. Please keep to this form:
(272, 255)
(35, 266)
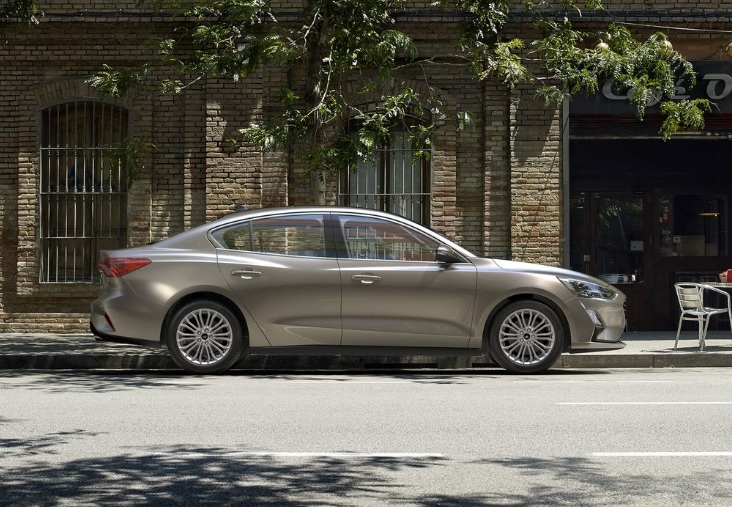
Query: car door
(395, 293)
(283, 270)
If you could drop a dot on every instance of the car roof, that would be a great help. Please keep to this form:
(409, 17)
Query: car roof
(261, 212)
(255, 213)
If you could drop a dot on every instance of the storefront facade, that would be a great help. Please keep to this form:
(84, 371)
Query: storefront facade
(647, 212)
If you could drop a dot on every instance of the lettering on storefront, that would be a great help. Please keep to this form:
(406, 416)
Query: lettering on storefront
(714, 82)
(719, 86)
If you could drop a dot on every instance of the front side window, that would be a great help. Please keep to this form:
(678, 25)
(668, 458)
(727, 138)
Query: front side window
(392, 181)
(376, 239)
(83, 190)
(299, 235)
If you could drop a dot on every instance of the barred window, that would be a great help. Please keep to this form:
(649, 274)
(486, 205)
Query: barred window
(83, 189)
(393, 181)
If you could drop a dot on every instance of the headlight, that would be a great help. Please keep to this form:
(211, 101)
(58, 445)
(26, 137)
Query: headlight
(587, 289)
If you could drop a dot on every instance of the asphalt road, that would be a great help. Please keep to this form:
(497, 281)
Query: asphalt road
(605, 438)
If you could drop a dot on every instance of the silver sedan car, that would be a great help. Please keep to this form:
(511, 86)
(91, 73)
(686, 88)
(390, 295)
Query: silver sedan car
(327, 280)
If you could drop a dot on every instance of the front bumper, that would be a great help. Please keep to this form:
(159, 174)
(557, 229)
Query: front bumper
(608, 321)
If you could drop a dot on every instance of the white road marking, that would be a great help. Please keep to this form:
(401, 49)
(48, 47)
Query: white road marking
(645, 403)
(662, 454)
(614, 381)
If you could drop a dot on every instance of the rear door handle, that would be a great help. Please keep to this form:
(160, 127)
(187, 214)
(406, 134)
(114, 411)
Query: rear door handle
(246, 274)
(366, 279)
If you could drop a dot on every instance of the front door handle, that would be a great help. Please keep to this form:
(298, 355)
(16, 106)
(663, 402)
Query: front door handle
(366, 278)
(246, 274)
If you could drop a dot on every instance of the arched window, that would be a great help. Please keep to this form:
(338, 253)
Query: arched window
(392, 181)
(83, 189)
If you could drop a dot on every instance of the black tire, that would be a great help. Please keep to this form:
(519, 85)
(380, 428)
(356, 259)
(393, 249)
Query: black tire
(205, 337)
(526, 337)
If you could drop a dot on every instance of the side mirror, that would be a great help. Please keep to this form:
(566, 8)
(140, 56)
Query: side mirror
(447, 256)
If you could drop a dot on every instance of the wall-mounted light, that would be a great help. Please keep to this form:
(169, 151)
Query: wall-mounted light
(709, 214)
(667, 45)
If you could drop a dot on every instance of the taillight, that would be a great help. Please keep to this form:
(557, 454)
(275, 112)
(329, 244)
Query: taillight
(114, 267)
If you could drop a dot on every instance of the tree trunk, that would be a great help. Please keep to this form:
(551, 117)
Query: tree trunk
(314, 94)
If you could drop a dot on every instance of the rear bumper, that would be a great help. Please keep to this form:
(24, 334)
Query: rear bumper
(116, 316)
(122, 339)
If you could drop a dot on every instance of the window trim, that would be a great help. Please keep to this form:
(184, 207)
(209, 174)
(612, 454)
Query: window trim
(84, 130)
(383, 159)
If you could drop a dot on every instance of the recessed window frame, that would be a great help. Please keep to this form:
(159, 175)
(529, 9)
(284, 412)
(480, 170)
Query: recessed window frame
(82, 191)
(375, 183)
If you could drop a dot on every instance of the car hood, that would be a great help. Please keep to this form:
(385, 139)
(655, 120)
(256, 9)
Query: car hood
(528, 267)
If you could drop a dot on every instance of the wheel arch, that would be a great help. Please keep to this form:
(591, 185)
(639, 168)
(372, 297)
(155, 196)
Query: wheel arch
(209, 296)
(527, 297)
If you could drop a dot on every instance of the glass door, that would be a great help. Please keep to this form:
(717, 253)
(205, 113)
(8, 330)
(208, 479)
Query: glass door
(692, 246)
(609, 239)
(619, 236)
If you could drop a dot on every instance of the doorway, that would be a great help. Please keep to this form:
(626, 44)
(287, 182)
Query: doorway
(642, 217)
(609, 232)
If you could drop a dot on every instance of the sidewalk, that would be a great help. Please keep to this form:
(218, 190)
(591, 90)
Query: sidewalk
(643, 350)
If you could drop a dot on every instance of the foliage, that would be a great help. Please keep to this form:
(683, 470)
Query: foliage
(646, 71)
(129, 155)
(18, 11)
(334, 44)
(116, 82)
(685, 114)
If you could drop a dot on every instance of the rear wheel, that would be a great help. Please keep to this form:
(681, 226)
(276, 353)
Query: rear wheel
(205, 337)
(526, 337)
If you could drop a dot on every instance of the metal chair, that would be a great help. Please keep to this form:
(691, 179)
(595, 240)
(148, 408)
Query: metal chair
(691, 301)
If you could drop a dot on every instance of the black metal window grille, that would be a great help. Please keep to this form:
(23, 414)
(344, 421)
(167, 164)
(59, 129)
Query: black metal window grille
(392, 181)
(83, 189)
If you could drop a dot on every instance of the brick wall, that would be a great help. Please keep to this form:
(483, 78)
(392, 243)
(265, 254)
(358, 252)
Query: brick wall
(536, 180)
(497, 186)
(496, 173)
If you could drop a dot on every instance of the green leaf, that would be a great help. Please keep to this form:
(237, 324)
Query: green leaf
(116, 82)
(683, 115)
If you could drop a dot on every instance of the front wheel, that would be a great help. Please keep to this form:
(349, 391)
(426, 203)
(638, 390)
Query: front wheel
(526, 337)
(205, 337)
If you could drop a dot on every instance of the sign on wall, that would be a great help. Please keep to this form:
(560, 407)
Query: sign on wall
(714, 82)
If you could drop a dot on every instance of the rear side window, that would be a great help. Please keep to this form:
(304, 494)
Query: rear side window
(298, 235)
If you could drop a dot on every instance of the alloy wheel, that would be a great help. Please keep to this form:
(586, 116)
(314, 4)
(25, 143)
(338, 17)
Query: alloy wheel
(204, 336)
(527, 336)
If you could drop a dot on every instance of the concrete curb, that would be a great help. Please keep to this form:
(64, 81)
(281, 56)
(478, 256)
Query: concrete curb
(75, 362)
(649, 360)
(110, 362)
(161, 361)
(81, 352)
